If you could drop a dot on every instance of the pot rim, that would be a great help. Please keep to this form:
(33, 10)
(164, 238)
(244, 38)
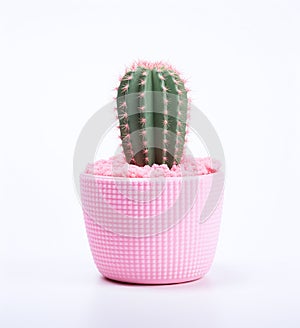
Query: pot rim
(160, 178)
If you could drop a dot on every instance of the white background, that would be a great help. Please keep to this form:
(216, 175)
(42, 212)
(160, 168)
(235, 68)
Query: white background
(59, 61)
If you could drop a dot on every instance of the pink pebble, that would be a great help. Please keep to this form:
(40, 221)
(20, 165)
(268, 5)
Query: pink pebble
(118, 167)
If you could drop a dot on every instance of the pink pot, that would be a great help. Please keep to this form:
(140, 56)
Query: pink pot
(152, 231)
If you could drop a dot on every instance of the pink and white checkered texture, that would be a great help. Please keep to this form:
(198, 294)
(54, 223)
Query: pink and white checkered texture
(149, 230)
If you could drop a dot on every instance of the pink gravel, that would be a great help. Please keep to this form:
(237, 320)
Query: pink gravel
(118, 167)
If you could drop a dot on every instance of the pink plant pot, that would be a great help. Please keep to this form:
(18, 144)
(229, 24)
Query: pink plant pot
(152, 231)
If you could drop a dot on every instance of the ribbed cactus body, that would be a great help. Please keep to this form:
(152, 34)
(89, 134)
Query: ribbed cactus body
(152, 109)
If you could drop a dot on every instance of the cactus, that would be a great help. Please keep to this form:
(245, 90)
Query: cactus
(152, 107)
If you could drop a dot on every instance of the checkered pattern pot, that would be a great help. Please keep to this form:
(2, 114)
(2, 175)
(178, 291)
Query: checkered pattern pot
(152, 231)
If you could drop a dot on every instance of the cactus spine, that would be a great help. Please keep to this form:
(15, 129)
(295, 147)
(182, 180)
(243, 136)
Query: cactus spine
(152, 107)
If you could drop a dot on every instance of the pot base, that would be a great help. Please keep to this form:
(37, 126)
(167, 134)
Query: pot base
(153, 281)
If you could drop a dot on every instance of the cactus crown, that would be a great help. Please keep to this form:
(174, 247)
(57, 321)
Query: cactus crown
(152, 108)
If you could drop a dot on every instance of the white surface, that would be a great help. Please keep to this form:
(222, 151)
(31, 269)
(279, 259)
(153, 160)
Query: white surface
(59, 62)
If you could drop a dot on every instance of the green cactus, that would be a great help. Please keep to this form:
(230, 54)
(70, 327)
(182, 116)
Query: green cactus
(152, 107)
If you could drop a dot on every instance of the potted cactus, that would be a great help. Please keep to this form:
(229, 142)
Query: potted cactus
(145, 227)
